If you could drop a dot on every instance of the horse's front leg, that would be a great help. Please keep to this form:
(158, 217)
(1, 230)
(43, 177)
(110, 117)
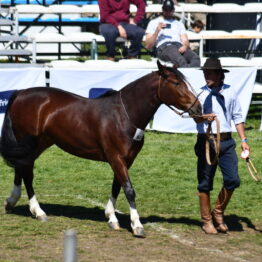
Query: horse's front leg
(26, 172)
(111, 204)
(137, 227)
(11, 201)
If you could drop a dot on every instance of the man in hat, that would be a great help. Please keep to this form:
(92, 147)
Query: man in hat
(170, 39)
(220, 100)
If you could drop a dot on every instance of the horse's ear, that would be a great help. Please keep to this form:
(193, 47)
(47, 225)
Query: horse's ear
(160, 66)
(161, 69)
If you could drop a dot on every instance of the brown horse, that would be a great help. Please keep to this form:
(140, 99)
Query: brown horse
(109, 129)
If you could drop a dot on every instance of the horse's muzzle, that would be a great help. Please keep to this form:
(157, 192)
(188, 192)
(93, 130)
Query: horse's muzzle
(195, 110)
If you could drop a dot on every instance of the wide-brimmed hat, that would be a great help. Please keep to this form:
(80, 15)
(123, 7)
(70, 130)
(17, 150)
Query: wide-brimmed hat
(214, 64)
(168, 5)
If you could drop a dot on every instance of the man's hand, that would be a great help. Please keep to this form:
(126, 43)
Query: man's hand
(182, 49)
(245, 146)
(206, 117)
(122, 31)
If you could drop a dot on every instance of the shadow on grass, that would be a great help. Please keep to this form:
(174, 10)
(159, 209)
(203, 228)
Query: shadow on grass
(234, 222)
(172, 220)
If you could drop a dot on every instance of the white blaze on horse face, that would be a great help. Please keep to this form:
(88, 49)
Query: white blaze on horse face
(135, 222)
(15, 196)
(35, 209)
(110, 210)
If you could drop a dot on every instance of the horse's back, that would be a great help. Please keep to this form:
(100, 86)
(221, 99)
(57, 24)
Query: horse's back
(32, 107)
(78, 125)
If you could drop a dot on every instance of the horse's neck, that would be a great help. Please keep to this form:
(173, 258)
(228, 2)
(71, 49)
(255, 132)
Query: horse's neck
(140, 100)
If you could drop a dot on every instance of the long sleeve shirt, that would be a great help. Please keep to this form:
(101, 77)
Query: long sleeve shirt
(114, 12)
(232, 106)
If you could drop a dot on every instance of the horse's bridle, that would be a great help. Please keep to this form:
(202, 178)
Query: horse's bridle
(171, 107)
(209, 134)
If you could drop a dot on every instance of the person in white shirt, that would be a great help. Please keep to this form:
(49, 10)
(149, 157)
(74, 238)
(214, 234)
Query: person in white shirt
(170, 39)
(220, 100)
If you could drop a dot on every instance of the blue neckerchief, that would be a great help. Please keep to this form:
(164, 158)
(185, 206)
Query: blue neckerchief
(220, 99)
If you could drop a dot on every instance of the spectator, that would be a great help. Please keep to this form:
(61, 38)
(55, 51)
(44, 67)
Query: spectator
(196, 27)
(116, 20)
(170, 39)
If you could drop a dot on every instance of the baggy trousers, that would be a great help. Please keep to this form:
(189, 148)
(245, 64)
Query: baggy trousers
(227, 161)
(169, 52)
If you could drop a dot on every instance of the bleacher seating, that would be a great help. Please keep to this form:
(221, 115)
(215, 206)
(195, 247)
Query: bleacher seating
(79, 13)
(47, 2)
(10, 40)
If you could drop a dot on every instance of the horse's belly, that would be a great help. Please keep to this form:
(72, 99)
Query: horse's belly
(83, 152)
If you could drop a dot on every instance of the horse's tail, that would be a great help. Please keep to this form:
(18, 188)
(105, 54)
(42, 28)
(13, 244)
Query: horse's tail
(15, 153)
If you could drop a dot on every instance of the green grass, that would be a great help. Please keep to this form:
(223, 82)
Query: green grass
(164, 177)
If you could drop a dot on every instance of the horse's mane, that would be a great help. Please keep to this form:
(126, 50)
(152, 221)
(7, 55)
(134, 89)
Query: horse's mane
(133, 83)
(177, 73)
(140, 79)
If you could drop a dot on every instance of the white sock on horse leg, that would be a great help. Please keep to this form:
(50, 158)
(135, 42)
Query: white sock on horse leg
(110, 210)
(15, 195)
(35, 208)
(135, 220)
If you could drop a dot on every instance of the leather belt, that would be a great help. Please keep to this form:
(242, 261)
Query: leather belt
(223, 136)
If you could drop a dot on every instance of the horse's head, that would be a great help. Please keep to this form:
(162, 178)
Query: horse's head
(174, 90)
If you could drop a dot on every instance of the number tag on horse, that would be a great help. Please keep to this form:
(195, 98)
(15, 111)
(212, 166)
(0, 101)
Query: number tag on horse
(139, 134)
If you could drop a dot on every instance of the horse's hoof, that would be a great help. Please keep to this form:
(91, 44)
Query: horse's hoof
(8, 207)
(114, 225)
(42, 218)
(139, 232)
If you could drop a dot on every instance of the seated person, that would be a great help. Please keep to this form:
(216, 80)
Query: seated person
(196, 27)
(170, 39)
(116, 20)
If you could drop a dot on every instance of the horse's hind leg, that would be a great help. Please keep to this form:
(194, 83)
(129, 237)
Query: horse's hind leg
(11, 201)
(110, 207)
(26, 172)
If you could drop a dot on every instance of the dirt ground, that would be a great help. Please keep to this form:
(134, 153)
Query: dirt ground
(160, 245)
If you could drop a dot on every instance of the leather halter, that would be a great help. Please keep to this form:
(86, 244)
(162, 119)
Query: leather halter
(209, 134)
(171, 107)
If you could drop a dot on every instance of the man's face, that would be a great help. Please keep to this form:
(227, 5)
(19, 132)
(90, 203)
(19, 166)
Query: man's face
(168, 14)
(213, 77)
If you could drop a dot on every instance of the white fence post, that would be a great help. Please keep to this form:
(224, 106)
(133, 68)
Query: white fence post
(70, 245)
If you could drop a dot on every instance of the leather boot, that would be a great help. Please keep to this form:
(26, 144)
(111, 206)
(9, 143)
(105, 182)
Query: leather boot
(220, 206)
(204, 202)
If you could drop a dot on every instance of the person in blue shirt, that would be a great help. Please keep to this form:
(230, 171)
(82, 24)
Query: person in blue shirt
(221, 101)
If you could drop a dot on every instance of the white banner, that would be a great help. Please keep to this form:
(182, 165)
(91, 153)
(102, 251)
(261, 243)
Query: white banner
(20, 78)
(80, 81)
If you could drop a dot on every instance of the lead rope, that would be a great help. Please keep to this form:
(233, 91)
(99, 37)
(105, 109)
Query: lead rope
(252, 170)
(209, 134)
(216, 141)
